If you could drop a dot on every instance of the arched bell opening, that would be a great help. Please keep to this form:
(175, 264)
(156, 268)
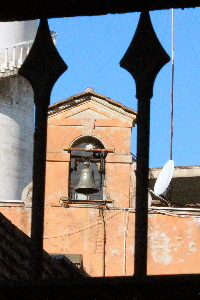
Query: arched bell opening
(87, 169)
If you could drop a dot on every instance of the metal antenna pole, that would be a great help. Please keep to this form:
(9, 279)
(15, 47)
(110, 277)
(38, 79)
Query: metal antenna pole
(143, 59)
(172, 90)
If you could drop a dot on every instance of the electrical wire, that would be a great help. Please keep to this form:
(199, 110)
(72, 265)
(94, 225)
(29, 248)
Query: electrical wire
(83, 228)
(174, 214)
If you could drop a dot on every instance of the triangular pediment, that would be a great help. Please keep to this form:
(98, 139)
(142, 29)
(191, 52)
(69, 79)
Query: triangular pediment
(88, 114)
(90, 105)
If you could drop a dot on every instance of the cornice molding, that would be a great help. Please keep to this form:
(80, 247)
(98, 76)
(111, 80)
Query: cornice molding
(117, 109)
(106, 102)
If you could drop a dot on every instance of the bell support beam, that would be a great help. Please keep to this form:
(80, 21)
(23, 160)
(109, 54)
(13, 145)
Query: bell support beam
(143, 60)
(42, 67)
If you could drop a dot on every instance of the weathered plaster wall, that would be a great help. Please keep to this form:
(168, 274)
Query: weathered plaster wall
(174, 244)
(16, 148)
(78, 229)
(57, 170)
(118, 183)
(16, 138)
(17, 32)
(173, 240)
(20, 216)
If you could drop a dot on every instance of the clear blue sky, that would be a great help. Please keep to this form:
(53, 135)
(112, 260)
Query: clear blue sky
(92, 47)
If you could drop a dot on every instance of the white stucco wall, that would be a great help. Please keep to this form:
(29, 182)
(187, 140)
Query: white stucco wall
(16, 136)
(17, 32)
(16, 111)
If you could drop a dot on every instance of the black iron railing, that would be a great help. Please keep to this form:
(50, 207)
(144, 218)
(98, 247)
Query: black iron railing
(144, 59)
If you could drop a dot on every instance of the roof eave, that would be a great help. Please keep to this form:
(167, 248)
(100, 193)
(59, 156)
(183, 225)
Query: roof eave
(89, 95)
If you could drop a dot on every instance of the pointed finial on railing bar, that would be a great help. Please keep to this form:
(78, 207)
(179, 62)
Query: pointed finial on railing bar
(43, 65)
(145, 57)
(143, 60)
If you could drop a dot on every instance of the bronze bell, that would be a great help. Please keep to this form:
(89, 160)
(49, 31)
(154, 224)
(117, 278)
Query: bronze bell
(86, 183)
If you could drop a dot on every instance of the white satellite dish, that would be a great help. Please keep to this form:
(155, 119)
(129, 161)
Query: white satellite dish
(164, 178)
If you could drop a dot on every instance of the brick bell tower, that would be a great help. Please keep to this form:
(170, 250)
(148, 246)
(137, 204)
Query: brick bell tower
(89, 129)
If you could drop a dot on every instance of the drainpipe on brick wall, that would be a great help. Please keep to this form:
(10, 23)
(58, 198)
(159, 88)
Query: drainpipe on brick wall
(102, 216)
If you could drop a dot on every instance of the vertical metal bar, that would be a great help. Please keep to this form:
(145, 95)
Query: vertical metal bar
(39, 168)
(143, 59)
(42, 75)
(141, 221)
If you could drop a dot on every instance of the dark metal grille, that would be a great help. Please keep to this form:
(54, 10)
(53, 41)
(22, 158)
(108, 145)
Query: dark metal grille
(157, 287)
